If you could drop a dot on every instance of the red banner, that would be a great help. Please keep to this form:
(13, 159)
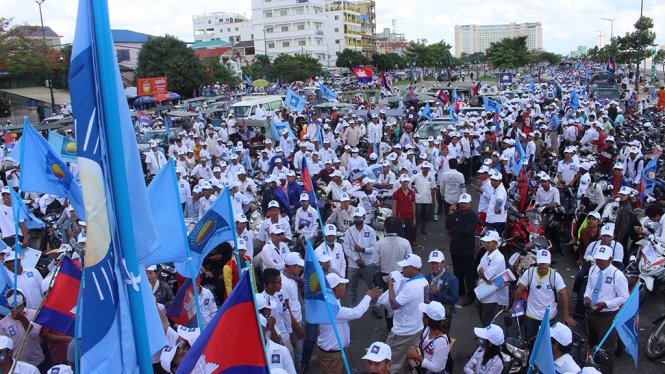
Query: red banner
(151, 86)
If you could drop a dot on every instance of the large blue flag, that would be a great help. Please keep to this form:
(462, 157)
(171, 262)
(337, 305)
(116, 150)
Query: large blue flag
(626, 322)
(453, 116)
(114, 335)
(317, 291)
(215, 227)
(427, 113)
(294, 102)
(6, 283)
(66, 147)
(232, 342)
(574, 99)
(491, 105)
(43, 171)
(278, 128)
(519, 161)
(25, 214)
(167, 214)
(649, 175)
(541, 356)
(532, 87)
(328, 93)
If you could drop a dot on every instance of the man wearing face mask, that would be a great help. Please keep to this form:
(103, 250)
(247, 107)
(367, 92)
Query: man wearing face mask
(7, 362)
(443, 285)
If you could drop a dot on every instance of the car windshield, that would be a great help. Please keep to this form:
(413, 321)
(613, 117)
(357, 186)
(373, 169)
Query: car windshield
(158, 135)
(612, 94)
(241, 111)
(425, 130)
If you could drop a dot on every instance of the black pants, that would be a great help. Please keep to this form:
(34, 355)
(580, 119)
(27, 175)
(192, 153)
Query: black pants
(409, 230)
(464, 269)
(599, 323)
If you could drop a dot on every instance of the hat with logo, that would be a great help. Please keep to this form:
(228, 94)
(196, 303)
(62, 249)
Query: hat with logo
(594, 214)
(411, 260)
(625, 190)
(603, 253)
(543, 257)
(322, 255)
(491, 236)
(304, 197)
(334, 280)
(276, 228)
(378, 352)
(359, 212)
(273, 204)
(607, 230)
(294, 258)
(491, 333)
(436, 256)
(404, 178)
(434, 310)
(562, 334)
(464, 198)
(329, 230)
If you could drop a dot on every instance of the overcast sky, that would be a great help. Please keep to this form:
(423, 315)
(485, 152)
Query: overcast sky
(566, 23)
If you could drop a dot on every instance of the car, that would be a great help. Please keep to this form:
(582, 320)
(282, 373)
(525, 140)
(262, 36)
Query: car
(160, 136)
(605, 92)
(425, 129)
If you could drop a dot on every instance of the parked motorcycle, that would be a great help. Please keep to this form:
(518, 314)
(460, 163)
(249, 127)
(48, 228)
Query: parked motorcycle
(655, 347)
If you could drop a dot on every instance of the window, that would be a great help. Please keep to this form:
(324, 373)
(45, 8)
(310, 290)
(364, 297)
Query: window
(271, 45)
(285, 28)
(268, 14)
(300, 10)
(283, 13)
(270, 30)
(300, 27)
(123, 55)
(286, 44)
(209, 22)
(336, 18)
(301, 43)
(336, 29)
(236, 29)
(336, 41)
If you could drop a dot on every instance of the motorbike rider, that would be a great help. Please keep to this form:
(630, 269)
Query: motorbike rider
(608, 156)
(548, 198)
(625, 218)
(655, 213)
(617, 181)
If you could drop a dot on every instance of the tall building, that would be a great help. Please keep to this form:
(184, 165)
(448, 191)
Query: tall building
(368, 26)
(343, 28)
(477, 38)
(230, 27)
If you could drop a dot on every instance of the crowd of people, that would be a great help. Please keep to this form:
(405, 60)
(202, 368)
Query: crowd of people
(421, 181)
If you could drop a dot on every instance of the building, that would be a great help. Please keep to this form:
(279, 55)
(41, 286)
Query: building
(388, 41)
(127, 45)
(470, 39)
(343, 29)
(35, 32)
(230, 27)
(368, 26)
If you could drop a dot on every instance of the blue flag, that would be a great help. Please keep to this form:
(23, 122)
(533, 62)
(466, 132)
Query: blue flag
(248, 80)
(164, 196)
(427, 113)
(64, 146)
(532, 87)
(626, 322)
(25, 214)
(294, 102)
(43, 171)
(317, 291)
(517, 165)
(649, 175)
(278, 128)
(231, 343)
(541, 355)
(453, 117)
(113, 329)
(491, 105)
(214, 228)
(6, 283)
(574, 100)
(327, 92)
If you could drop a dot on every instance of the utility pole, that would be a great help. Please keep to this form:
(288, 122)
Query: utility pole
(48, 76)
(639, 51)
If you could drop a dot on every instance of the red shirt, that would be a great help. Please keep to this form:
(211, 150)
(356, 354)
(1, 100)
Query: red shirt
(404, 203)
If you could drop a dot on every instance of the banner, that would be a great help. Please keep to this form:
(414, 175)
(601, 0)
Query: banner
(151, 86)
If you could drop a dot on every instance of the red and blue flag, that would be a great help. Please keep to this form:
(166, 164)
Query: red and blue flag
(384, 83)
(443, 97)
(362, 73)
(58, 311)
(231, 343)
(183, 307)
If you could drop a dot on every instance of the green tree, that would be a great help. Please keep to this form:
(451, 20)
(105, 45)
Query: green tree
(473, 58)
(433, 55)
(349, 56)
(168, 56)
(5, 106)
(659, 58)
(544, 56)
(220, 73)
(387, 61)
(294, 68)
(636, 44)
(509, 53)
(260, 67)
(60, 76)
(25, 57)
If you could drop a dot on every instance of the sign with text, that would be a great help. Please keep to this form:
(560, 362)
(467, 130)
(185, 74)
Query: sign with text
(151, 86)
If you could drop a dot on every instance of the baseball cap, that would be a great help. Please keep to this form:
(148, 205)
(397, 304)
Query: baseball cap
(6, 342)
(334, 280)
(607, 230)
(603, 253)
(561, 333)
(545, 177)
(404, 178)
(496, 176)
(167, 355)
(330, 230)
(345, 197)
(293, 258)
(491, 236)
(60, 369)
(9, 255)
(543, 257)
(464, 198)
(625, 190)
(594, 214)
(411, 260)
(276, 228)
(5, 189)
(304, 197)
(359, 212)
(263, 303)
(491, 333)
(368, 180)
(483, 169)
(436, 256)
(242, 244)
(241, 218)
(322, 255)
(434, 310)
(513, 259)
(618, 165)
(634, 150)
(426, 164)
(273, 204)
(189, 333)
(378, 352)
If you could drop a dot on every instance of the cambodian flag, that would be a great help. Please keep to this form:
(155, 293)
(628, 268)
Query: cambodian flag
(308, 185)
(362, 73)
(443, 97)
(58, 311)
(475, 89)
(183, 307)
(384, 83)
(232, 341)
(611, 66)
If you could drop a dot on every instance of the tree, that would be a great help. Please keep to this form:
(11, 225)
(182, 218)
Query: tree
(387, 61)
(260, 68)
(349, 56)
(25, 57)
(296, 67)
(5, 106)
(60, 77)
(220, 73)
(544, 56)
(659, 58)
(170, 57)
(634, 45)
(509, 53)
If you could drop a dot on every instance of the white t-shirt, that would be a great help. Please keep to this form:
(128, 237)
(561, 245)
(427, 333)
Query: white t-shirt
(408, 299)
(290, 291)
(541, 297)
(423, 186)
(7, 224)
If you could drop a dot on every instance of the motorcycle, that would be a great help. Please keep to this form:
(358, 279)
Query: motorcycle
(655, 348)
(650, 259)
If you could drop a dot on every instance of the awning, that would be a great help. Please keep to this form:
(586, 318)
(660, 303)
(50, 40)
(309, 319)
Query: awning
(40, 94)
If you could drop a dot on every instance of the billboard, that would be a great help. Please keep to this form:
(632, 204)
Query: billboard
(151, 86)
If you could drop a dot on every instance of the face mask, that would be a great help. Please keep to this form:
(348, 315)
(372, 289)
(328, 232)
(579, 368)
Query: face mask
(481, 341)
(3, 357)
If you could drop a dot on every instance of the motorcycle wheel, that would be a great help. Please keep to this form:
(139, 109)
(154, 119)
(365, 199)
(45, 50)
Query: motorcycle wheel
(655, 348)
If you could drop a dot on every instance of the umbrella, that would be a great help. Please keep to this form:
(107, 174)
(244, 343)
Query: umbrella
(173, 95)
(162, 97)
(260, 83)
(144, 100)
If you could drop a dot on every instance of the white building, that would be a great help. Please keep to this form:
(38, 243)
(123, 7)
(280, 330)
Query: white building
(343, 28)
(477, 38)
(230, 27)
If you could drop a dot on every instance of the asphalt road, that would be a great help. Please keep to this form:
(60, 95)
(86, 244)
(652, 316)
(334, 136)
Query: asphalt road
(368, 329)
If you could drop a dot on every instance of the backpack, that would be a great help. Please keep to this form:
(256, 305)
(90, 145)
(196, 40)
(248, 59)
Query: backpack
(450, 363)
(552, 279)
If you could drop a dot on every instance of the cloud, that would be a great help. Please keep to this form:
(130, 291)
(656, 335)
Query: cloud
(566, 23)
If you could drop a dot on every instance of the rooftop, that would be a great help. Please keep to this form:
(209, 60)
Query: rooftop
(127, 36)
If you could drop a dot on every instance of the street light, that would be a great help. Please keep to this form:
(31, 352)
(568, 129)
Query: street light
(639, 51)
(48, 76)
(611, 20)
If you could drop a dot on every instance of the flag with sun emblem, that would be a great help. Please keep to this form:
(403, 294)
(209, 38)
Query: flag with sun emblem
(317, 294)
(43, 171)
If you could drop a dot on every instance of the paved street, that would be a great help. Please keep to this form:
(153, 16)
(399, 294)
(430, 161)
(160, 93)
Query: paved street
(368, 329)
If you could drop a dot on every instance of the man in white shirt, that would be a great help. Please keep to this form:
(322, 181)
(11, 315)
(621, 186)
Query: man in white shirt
(272, 280)
(29, 280)
(491, 265)
(154, 159)
(497, 214)
(359, 242)
(334, 250)
(406, 329)
(425, 189)
(274, 251)
(291, 275)
(306, 219)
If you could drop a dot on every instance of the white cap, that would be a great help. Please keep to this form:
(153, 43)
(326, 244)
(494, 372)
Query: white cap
(464, 198)
(585, 165)
(9, 255)
(60, 369)
(434, 310)
(618, 165)
(491, 236)
(345, 197)
(545, 177)
(241, 218)
(263, 303)
(242, 244)
(483, 169)
(151, 268)
(273, 204)
(293, 258)
(411, 260)
(167, 355)
(426, 164)
(304, 197)
(436, 256)
(491, 333)
(359, 212)
(513, 259)
(625, 190)
(329, 230)
(404, 178)
(189, 333)
(334, 280)
(496, 176)
(569, 149)
(543, 257)
(368, 180)
(561, 333)
(276, 228)
(594, 214)
(607, 230)
(634, 150)
(378, 352)
(6, 342)
(322, 255)
(603, 253)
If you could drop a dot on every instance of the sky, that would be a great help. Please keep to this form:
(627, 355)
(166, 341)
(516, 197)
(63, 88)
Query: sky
(566, 23)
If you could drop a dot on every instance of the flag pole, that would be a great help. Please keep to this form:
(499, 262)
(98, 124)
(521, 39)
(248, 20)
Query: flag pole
(539, 339)
(120, 186)
(332, 320)
(16, 212)
(636, 291)
(250, 275)
(199, 317)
